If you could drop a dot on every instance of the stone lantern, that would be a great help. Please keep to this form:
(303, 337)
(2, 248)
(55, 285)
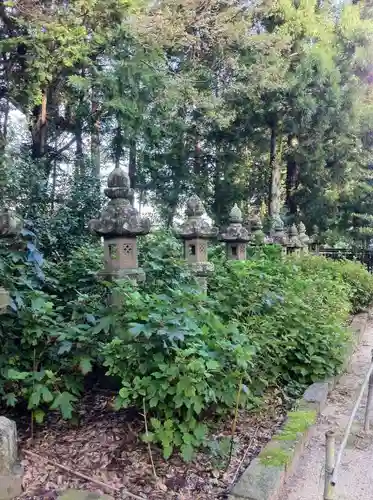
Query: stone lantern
(236, 236)
(315, 239)
(303, 238)
(279, 236)
(10, 224)
(4, 300)
(10, 227)
(257, 234)
(120, 225)
(195, 232)
(294, 245)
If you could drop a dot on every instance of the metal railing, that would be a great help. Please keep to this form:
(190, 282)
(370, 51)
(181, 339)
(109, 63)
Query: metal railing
(364, 256)
(332, 463)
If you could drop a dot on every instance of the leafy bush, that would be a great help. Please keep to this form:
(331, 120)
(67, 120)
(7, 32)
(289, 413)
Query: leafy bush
(182, 357)
(354, 274)
(47, 346)
(360, 281)
(175, 356)
(294, 320)
(74, 282)
(161, 256)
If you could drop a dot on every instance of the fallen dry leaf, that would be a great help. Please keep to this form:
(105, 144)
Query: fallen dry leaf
(106, 446)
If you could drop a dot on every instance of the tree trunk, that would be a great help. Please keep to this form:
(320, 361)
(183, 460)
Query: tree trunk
(4, 126)
(117, 147)
(39, 129)
(95, 140)
(171, 215)
(79, 157)
(54, 181)
(132, 164)
(218, 194)
(275, 168)
(292, 181)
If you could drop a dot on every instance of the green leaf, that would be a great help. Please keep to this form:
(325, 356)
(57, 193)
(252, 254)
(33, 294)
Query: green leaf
(168, 424)
(119, 403)
(156, 424)
(10, 399)
(153, 402)
(65, 346)
(34, 399)
(85, 365)
(124, 393)
(63, 402)
(167, 451)
(38, 304)
(187, 438)
(38, 416)
(16, 375)
(212, 365)
(200, 432)
(187, 452)
(148, 437)
(46, 394)
(103, 325)
(197, 404)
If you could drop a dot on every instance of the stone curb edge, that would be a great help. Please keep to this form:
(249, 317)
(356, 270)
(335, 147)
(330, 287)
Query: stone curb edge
(265, 476)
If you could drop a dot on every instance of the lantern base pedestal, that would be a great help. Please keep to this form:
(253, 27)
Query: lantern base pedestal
(4, 300)
(201, 271)
(134, 274)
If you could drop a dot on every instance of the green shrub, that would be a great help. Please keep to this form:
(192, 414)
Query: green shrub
(353, 274)
(76, 274)
(361, 284)
(48, 343)
(294, 320)
(161, 257)
(182, 356)
(175, 355)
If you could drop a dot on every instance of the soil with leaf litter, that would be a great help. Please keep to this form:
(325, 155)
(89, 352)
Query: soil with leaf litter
(106, 446)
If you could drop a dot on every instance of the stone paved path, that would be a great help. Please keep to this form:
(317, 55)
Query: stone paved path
(355, 481)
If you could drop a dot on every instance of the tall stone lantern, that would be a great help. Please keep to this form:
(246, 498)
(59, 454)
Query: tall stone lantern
(195, 232)
(10, 227)
(236, 236)
(257, 234)
(303, 238)
(315, 240)
(279, 236)
(294, 245)
(120, 225)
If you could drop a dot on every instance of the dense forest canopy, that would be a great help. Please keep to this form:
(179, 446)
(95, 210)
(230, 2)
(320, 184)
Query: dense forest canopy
(263, 103)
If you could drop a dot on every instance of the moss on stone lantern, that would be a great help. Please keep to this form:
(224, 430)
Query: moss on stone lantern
(315, 240)
(195, 232)
(120, 225)
(10, 227)
(294, 245)
(4, 300)
(279, 236)
(236, 236)
(257, 235)
(303, 238)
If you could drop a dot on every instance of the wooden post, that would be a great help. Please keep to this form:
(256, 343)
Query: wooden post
(369, 401)
(329, 465)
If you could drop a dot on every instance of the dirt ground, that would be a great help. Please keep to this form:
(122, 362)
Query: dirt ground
(106, 446)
